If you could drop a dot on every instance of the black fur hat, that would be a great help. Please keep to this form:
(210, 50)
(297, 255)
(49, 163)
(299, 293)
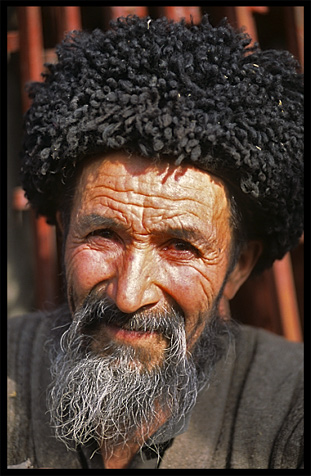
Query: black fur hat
(194, 93)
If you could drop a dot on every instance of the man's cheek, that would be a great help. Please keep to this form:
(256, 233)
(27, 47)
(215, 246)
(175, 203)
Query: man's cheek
(84, 271)
(191, 288)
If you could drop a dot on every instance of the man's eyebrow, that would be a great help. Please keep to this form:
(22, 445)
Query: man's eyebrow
(85, 222)
(183, 232)
(186, 233)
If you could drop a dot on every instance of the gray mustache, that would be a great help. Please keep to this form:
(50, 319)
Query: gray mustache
(95, 312)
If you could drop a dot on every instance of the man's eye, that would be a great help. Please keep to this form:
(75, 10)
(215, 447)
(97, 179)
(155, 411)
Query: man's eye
(103, 233)
(181, 247)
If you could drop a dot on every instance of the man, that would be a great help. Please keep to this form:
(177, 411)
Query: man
(170, 157)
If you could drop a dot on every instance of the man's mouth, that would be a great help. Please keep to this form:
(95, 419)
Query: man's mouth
(121, 333)
(148, 346)
(147, 333)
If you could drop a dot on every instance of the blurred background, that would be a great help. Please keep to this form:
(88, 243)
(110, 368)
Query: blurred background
(273, 300)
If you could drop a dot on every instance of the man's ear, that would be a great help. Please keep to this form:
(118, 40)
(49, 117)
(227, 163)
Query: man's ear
(243, 268)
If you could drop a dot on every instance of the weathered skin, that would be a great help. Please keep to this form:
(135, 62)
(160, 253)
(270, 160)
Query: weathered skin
(145, 235)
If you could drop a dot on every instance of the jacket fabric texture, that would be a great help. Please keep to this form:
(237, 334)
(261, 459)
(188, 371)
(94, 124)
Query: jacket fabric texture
(249, 417)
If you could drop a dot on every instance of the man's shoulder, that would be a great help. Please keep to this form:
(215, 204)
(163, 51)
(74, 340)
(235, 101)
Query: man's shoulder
(28, 336)
(266, 354)
(268, 340)
(23, 331)
(28, 377)
(25, 328)
(32, 319)
(269, 409)
(266, 374)
(258, 396)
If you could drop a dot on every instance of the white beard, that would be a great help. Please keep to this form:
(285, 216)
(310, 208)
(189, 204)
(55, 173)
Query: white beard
(113, 398)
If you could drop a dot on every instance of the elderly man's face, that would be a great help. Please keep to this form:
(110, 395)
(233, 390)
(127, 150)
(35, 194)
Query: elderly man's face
(147, 237)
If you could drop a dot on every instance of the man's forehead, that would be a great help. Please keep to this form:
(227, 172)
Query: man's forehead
(120, 171)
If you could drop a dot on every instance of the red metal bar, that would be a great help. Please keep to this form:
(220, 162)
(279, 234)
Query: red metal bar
(299, 18)
(31, 47)
(244, 18)
(12, 41)
(177, 13)
(72, 18)
(31, 62)
(256, 303)
(47, 288)
(256, 9)
(68, 19)
(32, 58)
(286, 295)
(127, 10)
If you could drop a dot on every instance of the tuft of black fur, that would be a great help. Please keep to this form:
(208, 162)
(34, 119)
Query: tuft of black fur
(193, 93)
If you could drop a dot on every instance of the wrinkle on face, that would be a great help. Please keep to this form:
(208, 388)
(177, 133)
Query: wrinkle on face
(149, 204)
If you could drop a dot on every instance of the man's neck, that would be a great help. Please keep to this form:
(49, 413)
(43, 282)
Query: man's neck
(121, 457)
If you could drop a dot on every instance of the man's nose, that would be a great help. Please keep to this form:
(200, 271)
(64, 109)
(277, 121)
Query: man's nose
(135, 284)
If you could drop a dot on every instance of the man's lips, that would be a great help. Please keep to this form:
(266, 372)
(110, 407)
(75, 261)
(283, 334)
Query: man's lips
(120, 333)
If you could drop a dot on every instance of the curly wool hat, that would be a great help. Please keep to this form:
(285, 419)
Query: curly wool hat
(194, 93)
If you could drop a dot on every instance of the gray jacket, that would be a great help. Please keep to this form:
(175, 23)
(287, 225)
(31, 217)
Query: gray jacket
(251, 416)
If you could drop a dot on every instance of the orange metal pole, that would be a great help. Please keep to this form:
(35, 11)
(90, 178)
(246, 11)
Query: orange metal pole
(286, 294)
(68, 19)
(72, 18)
(177, 13)
(47, 291)
(31, 61)
(127, 10)
(12, 41)
(244, 16)
(299, 18)
(287, 299)
(31, 47)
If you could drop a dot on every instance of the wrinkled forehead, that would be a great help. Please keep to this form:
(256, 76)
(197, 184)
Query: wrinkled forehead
(162, 179)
